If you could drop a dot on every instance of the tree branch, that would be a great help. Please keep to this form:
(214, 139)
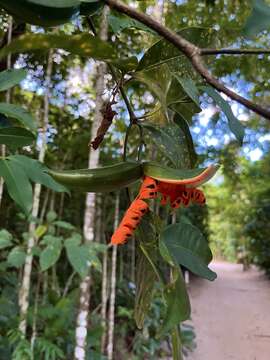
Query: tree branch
(192, 52)
(234, 51)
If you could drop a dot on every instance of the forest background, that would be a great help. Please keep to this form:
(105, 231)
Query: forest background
(43, 263)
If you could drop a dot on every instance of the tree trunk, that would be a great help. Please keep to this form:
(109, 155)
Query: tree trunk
(8, 95)
(104, 298)
(113, 286)
(26, 281)
(89, 215)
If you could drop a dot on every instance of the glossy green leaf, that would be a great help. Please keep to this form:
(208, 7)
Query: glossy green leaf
(189, 87)
(163, 51)
(145, 281)
(119, 23)
(259, 18)
(5, 239)
(168, 141)
(16, 137)
(188, 247)
(234, 124)
(84, 45)
(20, 114)
(177, 301)
(9, 78)
(17, 183)
(158, 82)
(37, 172)
(180, 102)
(51, 253)
(16, 257)
(191, 158)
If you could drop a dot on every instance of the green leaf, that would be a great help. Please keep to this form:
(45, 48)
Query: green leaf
(190, 148)
(18, 185)
(148, 241)
(40, 231)
(78, 256)
(84, 45)
(179, 100)
(37, 172)
(145, 280)
(234, 124)
(97, 247)
(5, 239)
(119, 23)
(64, 225)
(258, 20)
(189, 87)
(51, 253)
(16, 137)
(188, 247)
(163, 51)
(158, 82)
(168, 141)
(9, 78)
(16, 257)
(177, 301)
(20, 114)
(51, 216)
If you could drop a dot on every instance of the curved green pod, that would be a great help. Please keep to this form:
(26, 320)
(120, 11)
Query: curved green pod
(45, 13)
(187, 177)
(105, 179)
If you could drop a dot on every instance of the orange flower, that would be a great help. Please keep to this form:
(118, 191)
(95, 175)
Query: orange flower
(178, 194)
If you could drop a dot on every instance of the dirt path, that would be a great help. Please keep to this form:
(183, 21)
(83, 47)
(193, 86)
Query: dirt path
(231, 315)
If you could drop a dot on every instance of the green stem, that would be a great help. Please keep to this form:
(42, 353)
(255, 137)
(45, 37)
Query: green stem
(176, 344)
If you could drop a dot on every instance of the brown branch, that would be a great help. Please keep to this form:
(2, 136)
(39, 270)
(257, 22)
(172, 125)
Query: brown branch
(206, 51)
(192, 52)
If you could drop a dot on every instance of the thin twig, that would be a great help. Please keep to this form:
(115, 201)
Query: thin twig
(234, 51)
(114, 75)
(192, 52)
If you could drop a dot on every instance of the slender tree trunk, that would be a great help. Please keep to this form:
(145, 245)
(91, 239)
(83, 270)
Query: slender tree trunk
(34, 331)
(89, 215)
(113, 286)
(8, 95)
(104, 298)
(26, 281)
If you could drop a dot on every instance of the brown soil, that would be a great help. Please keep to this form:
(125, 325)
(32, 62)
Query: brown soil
(231, 315)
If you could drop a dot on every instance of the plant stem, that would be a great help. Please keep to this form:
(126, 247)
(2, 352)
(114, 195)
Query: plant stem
(234, 51)
(176, 344)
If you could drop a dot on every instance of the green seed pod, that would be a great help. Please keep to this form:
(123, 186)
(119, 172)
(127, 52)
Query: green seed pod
(105, 179)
